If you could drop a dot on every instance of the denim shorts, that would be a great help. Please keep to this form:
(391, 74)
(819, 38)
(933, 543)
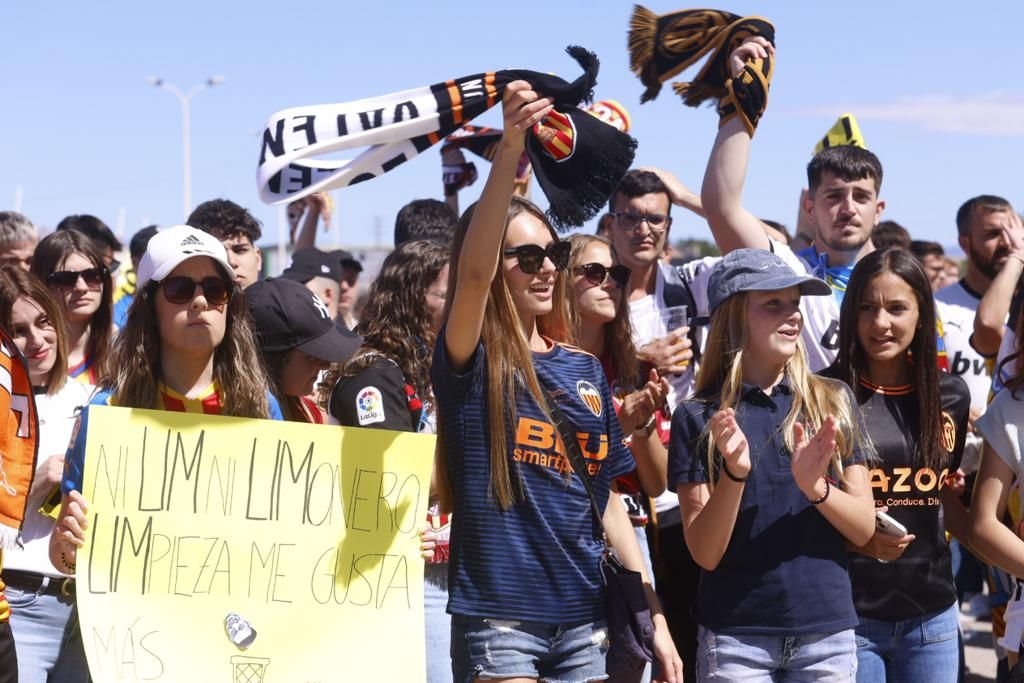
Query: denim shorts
(824, 657)
(556, 653)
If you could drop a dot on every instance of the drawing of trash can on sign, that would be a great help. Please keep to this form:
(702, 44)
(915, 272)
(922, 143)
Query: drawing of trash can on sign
(248, 669)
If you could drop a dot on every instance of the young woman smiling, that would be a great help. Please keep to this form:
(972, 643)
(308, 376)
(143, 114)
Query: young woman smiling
(917, 421)
(765, 504)
(526, 588)
(43, 618)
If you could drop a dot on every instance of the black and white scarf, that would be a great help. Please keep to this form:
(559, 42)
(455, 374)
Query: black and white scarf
(578, 160)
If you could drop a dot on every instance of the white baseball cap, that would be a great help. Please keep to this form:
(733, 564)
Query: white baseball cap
(171, 246)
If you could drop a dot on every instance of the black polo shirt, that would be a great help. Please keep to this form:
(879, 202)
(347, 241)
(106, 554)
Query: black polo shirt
(784, 571)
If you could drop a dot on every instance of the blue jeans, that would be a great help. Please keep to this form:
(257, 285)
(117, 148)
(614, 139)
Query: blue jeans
(47, 637)
(919, 649)
(555, 653)
(817, 657)
(438, 623)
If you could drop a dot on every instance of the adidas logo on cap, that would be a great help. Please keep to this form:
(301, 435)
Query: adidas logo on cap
(191, 241)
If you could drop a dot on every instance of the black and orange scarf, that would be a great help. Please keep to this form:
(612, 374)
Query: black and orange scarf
(19, 442)
(577, 159)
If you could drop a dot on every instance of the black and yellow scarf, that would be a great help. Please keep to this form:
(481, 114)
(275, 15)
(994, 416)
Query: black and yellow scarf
(577, 159)
(662, 47)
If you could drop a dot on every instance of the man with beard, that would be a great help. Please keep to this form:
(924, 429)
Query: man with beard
(842, 205)
(987, 232)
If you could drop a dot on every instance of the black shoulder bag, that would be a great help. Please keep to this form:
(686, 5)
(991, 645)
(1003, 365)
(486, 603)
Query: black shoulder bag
(630, 627)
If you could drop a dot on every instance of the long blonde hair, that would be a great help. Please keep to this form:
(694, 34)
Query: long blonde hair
(135, 369)
(509, 360)
(814, 398)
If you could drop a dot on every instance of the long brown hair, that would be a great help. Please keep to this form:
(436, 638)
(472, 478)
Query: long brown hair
(814, 398)
(395, 321)
(852, 361)
(15, 284)
(52, 251)
(618, 333)
(135, 361)
(509, 360)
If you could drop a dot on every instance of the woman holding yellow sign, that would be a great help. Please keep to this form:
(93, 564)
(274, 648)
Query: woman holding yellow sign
(187, 346)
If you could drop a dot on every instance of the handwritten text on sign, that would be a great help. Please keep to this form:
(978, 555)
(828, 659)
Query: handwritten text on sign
(307, 532)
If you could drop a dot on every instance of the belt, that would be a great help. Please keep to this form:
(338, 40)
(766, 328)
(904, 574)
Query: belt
(30, 582)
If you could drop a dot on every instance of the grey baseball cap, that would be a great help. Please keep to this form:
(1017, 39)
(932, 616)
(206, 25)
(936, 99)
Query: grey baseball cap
(757, 270)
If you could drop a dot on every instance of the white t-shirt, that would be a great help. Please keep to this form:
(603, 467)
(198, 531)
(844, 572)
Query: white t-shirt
(644, 314)
(821, 315)
(1006, 348)
(1002, 425)
(958, 307)
(56, 422)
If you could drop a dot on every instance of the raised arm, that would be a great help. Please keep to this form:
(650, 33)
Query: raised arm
(481, 248)
(733, 226)
(679, 194)
(316, 205)
(995, 305)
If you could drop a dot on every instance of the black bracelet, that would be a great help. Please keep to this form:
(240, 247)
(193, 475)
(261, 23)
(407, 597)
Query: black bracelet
(738, 480)
(824, 496)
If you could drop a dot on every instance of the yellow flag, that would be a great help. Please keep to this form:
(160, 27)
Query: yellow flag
(844, 132)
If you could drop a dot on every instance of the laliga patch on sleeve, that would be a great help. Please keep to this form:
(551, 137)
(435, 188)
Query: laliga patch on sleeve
(369, 406)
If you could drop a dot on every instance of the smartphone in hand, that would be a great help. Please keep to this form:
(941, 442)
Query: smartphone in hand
(887, 525)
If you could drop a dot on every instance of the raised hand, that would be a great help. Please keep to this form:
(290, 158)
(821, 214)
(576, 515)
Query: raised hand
(731, 442)
(522, 108)
(811, 457)
(754, 47)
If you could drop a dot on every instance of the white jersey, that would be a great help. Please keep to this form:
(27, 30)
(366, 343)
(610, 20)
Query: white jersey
(957, 307)
(820, 313)
(57, 414)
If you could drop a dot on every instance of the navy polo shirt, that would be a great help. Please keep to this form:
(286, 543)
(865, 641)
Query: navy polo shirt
(784, 570)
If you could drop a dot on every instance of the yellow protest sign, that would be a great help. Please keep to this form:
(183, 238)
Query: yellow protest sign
(226, 550)
(844, 132)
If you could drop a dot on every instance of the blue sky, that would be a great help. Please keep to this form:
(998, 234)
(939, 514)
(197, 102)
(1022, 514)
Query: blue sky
(934, 88)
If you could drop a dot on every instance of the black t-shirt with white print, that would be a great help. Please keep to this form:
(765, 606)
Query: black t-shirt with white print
(920, 582)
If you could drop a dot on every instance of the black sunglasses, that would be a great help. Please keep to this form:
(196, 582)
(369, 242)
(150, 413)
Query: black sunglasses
(596, 274)
(181, 289)
(93, 277)
(531, 256)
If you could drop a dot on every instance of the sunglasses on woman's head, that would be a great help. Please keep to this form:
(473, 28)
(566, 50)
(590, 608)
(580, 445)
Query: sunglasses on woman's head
(531, 256)
(596, 274)
(93, 277)
(181, 289)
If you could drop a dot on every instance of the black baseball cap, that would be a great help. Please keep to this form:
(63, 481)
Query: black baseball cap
(310, 263)
(289, 316)
(345, 259)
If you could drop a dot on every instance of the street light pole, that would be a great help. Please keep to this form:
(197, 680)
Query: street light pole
(186, 130)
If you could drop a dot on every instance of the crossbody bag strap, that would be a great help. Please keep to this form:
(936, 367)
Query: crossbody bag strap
(575, 455)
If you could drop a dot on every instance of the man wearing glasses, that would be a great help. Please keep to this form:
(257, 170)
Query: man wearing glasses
(638, 225)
